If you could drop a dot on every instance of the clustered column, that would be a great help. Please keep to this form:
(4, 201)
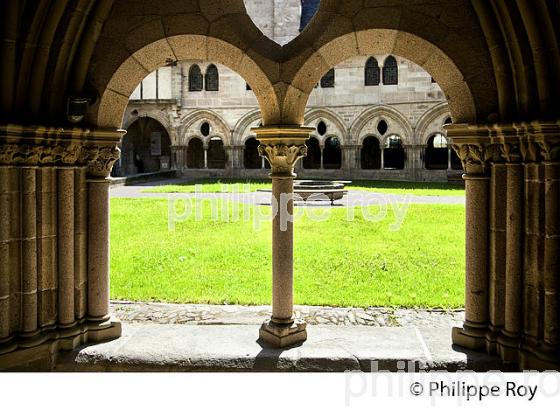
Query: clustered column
(512, 306)
(282, 147)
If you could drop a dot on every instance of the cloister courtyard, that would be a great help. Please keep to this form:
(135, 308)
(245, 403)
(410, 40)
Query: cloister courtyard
(354, 255)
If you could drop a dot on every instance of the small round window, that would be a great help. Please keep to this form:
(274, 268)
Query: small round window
(322, 128)
(382, 127)
(205, 129)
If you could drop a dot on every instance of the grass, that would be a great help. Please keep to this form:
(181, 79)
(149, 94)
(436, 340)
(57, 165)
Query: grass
(389, 187)
(337, 262)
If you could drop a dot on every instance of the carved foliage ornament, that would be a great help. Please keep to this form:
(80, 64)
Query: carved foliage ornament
(282, 158)
(99, 159)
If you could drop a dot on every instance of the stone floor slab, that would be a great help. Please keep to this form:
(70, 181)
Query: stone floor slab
(152, 347)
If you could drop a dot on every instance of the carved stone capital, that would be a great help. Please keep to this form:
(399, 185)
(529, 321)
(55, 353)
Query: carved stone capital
(283, 147)
(100, 160)
(475, 157)
(59, 147)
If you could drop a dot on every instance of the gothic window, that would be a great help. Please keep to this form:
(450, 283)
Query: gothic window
(436, 155)
(371, 153)
(195, 78)
(390, 71)
(308, 10)
(328, 79)
(372, 72)
(212, 78)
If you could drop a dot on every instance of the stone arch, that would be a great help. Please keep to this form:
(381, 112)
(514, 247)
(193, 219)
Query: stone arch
(120, 84)
(240, 134)
(219, 128)
(159, 117)
(363, 125)
(426, 125)
(317, 114)
(452, 77)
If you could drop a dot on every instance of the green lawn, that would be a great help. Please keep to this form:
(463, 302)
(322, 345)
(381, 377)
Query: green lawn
(337, 262)
(389, 187)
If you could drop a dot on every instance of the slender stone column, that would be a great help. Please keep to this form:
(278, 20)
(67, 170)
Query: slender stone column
(552, 256)
(205, 157)
(5, 239)
(382, 158)
(282, 147)
(99, 168)
(497, 248)
(66, 317)
(80, 243)
(322, 158)
(533, 245)
(475, 154)
(513, 290)
(29, 251)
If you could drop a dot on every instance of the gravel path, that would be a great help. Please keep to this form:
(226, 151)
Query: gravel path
(165, 313)
(353, 199)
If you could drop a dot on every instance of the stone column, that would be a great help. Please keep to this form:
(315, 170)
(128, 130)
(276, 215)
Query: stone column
(29, 252)
(66, 316)
(382, 158)
(474, 155)
(497, 250)
(98, 242)
(322, 158)
(513, 281)
(282, 147)
(551, 331)
(205, 157)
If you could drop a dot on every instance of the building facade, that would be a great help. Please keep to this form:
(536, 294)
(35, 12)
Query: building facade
(376, 117)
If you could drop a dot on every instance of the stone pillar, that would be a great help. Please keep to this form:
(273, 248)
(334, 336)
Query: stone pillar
(66, 316)
(99, 168)
(29, 252)
(205, 157)
(513, 284)
(7, 178)
(497, 251)
(382, 158)
(475, 154)
(282, 147)
(551, 330)
(322, 157)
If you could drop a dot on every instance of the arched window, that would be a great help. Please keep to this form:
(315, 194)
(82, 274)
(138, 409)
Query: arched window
(371, 153)
(393, 153)
(372, 72)
(195, 154)
(328, 79)
(437, 152)
(321, 128)
(195, 78)
(308, 10)
(390, 71)
(313, 158)
(251, 157)
(212, 78)
(332, 154)
(216, 154)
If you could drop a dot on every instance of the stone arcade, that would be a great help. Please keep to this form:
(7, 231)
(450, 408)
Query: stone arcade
(497, 62)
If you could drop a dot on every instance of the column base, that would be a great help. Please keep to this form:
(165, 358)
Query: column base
(283, 335)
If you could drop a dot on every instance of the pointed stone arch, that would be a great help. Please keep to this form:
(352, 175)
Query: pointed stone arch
(363, 127)
(326, 114)
(219, 127)
(425, 126)
(240, 135)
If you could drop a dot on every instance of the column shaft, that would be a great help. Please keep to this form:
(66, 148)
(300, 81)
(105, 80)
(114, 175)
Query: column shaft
(98, 249)
(80, 243)
(476, 293)
(66, 315)
(29, 251)
(552, 255)
(5, 267)
(497, 246)
(514, 224)
(532, 298)
(282, 252)
(47, 253)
